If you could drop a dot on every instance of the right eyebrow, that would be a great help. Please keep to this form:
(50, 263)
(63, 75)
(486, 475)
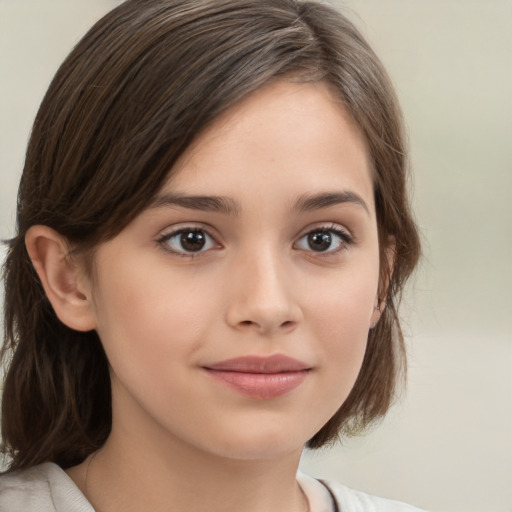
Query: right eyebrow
(219, 204)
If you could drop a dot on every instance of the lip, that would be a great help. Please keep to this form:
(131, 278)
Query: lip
(259, 377)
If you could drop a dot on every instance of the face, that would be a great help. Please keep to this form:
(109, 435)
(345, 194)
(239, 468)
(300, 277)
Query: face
(235, 310)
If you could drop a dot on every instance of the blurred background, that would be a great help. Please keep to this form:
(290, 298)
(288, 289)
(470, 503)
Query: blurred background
(447, 444)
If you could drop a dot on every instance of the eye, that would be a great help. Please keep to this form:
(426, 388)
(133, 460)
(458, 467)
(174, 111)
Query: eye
(324, 240)
(188, 241)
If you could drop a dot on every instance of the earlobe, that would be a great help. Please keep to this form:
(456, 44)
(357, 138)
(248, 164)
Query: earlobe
(65, 286)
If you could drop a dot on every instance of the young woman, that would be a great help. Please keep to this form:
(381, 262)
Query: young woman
(213, 234)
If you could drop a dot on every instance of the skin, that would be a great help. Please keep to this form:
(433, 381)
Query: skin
(256, 288)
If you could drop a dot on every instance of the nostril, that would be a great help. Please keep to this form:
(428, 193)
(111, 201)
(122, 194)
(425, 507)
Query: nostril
(249, 323)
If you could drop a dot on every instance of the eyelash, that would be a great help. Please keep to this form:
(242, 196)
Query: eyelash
(164, 239)
(345, 239)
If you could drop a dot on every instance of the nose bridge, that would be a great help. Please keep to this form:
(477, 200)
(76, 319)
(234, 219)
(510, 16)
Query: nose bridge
(262, 291)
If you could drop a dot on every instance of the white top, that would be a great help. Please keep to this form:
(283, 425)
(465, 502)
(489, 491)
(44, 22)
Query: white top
(47, 488)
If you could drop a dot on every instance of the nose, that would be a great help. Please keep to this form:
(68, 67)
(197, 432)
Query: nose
(262, 298)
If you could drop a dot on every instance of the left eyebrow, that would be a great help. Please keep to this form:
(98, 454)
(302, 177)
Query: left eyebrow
(203, 203)
(309, 202)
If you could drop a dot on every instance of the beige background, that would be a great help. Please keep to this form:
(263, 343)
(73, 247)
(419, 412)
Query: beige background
(447, 446)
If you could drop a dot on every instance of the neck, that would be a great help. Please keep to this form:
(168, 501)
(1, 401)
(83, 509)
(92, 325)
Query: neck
(132, 476)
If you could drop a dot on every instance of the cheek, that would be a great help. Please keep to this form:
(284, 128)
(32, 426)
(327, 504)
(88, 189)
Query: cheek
(343, 304)
(342, 331)
(148, 321)
(341, 318)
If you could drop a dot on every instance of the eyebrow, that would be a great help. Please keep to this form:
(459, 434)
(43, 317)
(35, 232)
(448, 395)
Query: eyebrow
(221, 204)
(218, 204)
(310, 202)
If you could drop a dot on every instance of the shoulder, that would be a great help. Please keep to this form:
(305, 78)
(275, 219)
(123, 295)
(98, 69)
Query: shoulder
(26, 490)
(350, 500)
(43, 488)
(327, 496)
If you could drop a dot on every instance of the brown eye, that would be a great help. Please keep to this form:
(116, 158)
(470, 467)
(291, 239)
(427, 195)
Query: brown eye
(188, 241)
(192, 241)
(319, 241)
(327, 240)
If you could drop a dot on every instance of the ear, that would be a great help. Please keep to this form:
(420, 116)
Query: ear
(65, 284)
(386, 271)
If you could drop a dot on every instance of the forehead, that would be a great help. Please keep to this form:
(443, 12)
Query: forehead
(290, 138)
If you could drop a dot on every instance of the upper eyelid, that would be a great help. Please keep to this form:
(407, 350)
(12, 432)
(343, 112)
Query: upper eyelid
(165, 237)
(169, 231)
(187, 226)
(326, 226)
(345, 235)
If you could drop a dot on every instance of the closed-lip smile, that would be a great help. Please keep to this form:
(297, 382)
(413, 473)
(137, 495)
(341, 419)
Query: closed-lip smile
(260, 377)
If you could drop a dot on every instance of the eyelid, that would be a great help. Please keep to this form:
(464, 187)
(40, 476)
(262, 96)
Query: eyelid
(343, 233)
(172, 231)
(184, 226)
(326, 226)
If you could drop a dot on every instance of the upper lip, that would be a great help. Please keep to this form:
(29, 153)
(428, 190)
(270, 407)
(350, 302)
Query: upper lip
(260, 364)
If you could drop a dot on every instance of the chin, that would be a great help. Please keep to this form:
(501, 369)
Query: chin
(260, 445)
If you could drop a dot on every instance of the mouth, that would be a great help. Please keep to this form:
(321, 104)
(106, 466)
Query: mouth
(262, 378)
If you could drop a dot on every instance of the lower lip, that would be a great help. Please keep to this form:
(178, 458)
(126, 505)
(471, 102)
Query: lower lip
(263, 386)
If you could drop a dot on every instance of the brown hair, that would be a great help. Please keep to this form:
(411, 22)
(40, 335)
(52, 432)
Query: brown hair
(122, 108)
